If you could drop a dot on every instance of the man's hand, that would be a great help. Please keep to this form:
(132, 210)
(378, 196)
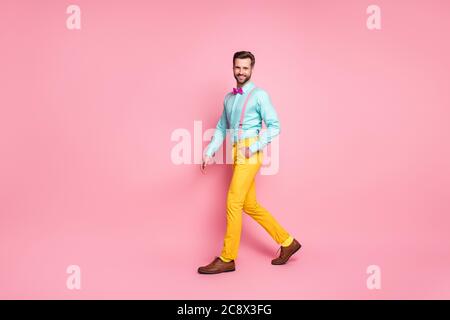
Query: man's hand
(206, 161)
(246, 152)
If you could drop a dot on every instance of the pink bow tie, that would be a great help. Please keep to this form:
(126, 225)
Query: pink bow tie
(237, 90)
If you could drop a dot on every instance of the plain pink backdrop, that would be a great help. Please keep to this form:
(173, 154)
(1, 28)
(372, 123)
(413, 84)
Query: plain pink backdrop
(86, 176)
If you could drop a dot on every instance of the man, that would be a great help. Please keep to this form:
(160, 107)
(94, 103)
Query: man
(244, 109)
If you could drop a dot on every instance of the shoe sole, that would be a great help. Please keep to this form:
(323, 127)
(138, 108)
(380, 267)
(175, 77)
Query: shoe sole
(206, 272)
(278, 264)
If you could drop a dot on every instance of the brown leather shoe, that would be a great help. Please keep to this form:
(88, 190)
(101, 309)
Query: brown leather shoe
(287, 252)
(217, 266)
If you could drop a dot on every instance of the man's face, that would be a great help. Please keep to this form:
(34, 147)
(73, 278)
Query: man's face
(242, 70)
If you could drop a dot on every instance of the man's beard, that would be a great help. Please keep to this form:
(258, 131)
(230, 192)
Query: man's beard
(247, 78)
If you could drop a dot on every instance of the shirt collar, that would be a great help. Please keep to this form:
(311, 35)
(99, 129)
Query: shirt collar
(248, 86)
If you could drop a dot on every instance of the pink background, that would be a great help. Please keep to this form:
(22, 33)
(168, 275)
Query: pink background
(86, 176)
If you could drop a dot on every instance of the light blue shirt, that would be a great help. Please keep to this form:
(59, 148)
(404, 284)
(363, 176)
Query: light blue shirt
(259, 107)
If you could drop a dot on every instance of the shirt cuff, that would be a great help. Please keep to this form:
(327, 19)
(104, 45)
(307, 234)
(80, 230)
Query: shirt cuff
(254, 147)
(209, 153)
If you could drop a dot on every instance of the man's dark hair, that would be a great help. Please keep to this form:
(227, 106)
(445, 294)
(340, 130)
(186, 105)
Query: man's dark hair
(244, 55)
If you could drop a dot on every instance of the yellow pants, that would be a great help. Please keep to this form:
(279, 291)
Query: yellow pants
(242, 196)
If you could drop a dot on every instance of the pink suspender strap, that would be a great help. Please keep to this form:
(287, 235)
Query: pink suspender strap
(243, 113)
